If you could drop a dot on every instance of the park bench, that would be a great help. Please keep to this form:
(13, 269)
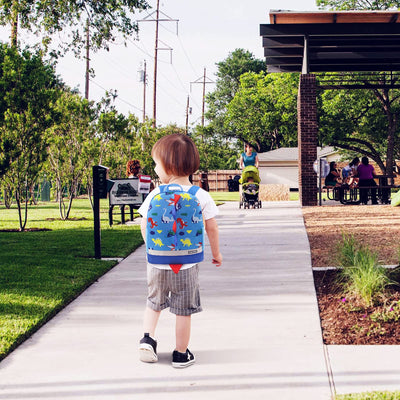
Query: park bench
(351, 195)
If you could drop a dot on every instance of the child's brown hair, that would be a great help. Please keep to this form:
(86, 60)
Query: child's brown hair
(178, 154)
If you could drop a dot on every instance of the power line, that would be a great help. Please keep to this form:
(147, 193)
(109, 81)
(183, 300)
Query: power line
(143, 51)
(117, 65)
(117, 97)
(203, 82)
(186, 55)
(157, 20)
(179, 78)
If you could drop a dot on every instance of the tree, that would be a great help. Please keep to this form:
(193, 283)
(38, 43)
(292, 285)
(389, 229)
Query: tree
(362, 121)
(264, 110)
(229, 72)
(147, 136)
(215, 151)
(111, 126)
(387, 101)
(358, 4)
(105, 18)
(27, 87)
(69, 139)
(17, 13)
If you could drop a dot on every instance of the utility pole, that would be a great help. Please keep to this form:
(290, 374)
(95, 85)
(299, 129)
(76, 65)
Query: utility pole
(188, 111)
(143, 78)
(156, 48)
(144, 90)
(203, 80)
(87, 61)
(204, 97)
(155, 67)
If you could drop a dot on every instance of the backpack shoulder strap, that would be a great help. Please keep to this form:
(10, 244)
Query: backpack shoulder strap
(193, 190)
(162, 188)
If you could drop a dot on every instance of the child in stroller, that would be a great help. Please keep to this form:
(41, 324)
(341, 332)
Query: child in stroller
(250, 181)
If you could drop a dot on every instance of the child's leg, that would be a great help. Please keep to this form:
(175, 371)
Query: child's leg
(182, 332)
(150, 321)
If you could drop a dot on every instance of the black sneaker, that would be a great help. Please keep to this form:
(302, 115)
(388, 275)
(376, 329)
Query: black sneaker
(182, 360)
(148, 349)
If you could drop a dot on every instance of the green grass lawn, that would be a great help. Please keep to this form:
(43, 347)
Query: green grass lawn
(42, 271)
(221, 197)
(370, 396)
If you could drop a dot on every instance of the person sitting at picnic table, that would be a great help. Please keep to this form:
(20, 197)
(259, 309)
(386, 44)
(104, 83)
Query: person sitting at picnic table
(366, 175)
(333, 178)
(349, 173)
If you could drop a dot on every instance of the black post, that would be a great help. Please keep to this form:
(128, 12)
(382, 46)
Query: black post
(320, 181)
(97, 233)
(99, 192)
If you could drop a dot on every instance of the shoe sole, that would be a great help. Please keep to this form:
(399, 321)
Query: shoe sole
(147, 354)
(183, 365)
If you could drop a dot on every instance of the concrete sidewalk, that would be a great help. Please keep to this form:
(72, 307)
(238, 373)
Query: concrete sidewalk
(259, 335)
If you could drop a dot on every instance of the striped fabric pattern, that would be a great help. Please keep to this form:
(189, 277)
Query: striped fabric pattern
(180, 292)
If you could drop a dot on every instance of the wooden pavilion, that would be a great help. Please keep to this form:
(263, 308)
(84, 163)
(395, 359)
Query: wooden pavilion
(328, 41)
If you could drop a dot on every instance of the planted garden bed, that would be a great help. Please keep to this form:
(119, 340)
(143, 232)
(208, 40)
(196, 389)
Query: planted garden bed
(344, 320)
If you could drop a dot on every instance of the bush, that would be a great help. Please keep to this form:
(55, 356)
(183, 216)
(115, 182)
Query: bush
(370, 396)
(346, 251)
(361, 275)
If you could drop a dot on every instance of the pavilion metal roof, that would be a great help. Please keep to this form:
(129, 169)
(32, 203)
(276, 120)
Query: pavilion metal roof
(332, 41)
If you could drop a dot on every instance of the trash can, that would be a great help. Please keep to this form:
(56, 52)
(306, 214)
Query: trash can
(45, 191)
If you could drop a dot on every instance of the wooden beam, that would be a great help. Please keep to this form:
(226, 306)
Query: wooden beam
(326, 17)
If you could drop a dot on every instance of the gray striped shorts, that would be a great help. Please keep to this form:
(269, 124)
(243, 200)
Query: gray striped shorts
(180, 292)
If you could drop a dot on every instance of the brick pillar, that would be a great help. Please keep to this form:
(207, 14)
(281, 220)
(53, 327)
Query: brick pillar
(307, 139)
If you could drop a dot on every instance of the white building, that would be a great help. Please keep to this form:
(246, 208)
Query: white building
(280, 166)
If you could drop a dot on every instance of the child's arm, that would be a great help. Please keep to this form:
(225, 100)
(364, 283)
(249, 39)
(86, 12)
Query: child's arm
(213, 237)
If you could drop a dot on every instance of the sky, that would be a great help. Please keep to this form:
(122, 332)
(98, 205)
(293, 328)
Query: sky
(208, 30)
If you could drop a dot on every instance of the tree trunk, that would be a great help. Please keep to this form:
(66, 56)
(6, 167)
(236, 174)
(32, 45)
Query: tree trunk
(32, 194)
(64, 211)
(390, 147)
(89, 191)
(14, 24)
(383, 97)
(71, 197)
(7, 195)
(61, 205)
(22, 223)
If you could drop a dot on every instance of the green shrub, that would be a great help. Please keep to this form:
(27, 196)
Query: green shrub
(346, 251)
(370, 396)
(361, 275)
(390, 313)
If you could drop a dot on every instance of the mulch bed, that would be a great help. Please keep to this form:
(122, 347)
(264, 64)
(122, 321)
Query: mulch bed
(342, 320)
(375, 226)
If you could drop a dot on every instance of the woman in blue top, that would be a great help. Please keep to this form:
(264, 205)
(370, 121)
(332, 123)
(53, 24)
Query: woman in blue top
(248, 157)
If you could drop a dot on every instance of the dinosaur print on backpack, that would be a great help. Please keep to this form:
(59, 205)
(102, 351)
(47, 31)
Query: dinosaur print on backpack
(175, 228)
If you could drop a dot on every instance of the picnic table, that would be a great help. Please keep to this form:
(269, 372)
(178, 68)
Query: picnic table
(351, 195)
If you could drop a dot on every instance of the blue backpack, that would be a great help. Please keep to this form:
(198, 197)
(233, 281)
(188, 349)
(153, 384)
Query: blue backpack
(175, 228)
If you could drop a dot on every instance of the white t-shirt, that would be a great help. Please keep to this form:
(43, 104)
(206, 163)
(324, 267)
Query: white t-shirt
(208, 208)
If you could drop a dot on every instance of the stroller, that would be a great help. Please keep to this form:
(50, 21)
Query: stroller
(250, 181)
